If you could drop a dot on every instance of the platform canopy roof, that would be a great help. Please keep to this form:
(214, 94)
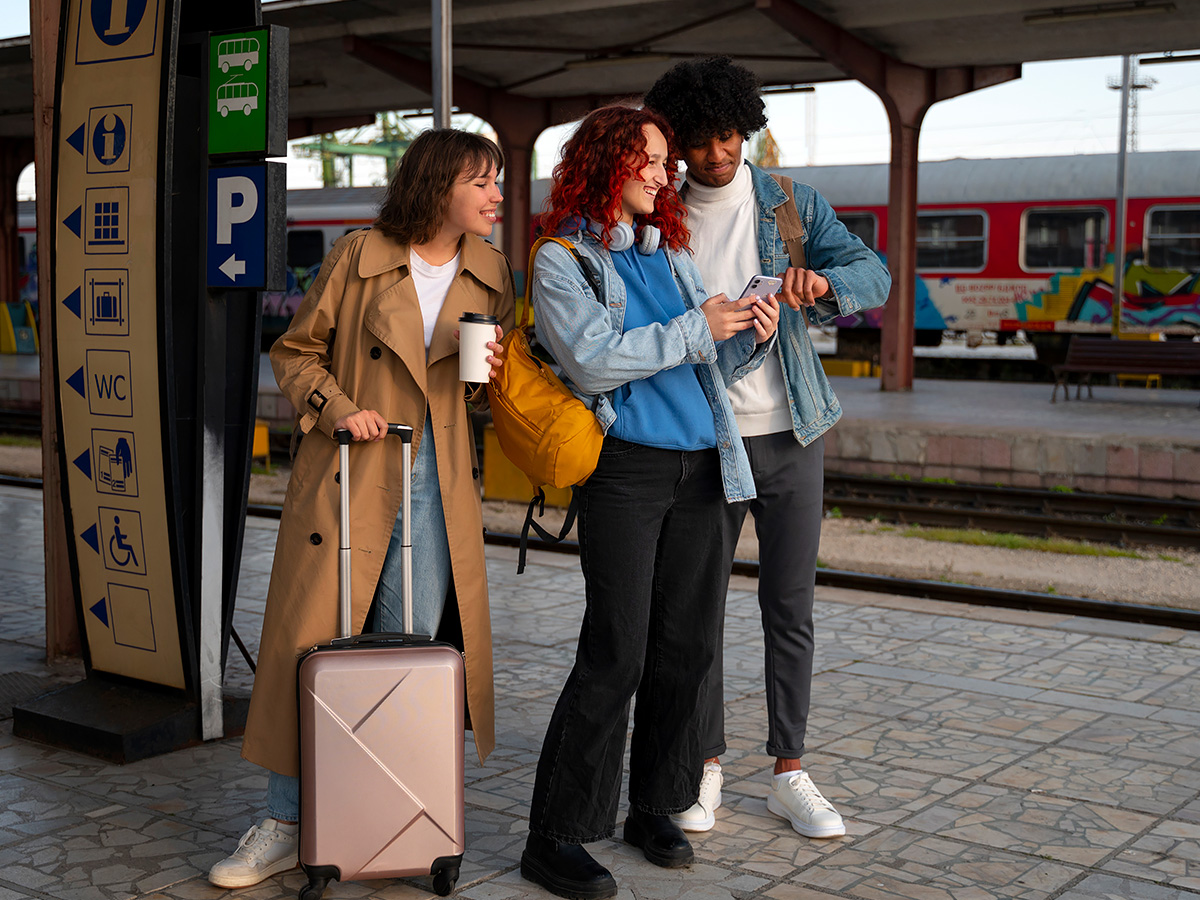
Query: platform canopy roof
(604, 48)
(555, 49)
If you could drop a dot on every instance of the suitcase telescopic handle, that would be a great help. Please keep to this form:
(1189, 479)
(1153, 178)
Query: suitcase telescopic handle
(405, 433)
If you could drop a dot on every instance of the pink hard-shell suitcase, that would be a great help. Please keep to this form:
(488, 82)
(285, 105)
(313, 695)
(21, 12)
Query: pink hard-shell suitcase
(381, 739)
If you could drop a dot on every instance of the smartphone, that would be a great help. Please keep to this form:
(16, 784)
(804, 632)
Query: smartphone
(761, 285)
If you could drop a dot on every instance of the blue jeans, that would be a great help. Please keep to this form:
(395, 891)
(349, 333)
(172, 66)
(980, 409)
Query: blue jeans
(650, 542)
(431, 582)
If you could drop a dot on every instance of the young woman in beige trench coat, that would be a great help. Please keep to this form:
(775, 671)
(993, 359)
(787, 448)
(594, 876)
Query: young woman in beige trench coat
(356, 355)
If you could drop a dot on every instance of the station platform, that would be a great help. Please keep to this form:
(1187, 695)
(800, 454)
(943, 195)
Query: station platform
(974, 753)
(1128, 440)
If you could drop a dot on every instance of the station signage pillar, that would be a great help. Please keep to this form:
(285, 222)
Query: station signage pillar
(107, 282)
(134, 373)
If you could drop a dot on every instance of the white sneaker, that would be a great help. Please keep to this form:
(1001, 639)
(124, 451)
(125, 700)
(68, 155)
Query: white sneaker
(797, 799)
(263, 851)
(700, 815)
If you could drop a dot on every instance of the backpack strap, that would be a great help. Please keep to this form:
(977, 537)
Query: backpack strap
(787, 220)
(539, 503)
(527, 312)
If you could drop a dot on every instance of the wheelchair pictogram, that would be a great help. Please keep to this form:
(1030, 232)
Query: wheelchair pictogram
(121, 533)
(121, 552)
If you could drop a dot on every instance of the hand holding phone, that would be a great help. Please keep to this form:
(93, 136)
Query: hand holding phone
(761, 286)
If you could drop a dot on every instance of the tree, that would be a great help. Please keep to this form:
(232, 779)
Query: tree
(763, 151)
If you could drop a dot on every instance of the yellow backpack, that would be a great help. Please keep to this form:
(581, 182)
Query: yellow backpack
(544, 429)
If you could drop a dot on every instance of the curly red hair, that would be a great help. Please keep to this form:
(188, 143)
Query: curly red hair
(606, 150)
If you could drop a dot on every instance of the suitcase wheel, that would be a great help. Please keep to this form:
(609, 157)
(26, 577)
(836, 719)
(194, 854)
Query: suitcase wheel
(444, 880)
(314, 889)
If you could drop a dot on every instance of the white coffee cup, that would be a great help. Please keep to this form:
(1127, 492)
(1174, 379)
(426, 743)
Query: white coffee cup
(475, 330)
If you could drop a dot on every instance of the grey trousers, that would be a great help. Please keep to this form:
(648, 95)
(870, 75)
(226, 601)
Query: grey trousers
(789, 480)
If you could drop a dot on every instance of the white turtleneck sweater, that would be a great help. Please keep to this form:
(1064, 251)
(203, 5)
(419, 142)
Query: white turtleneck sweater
(724, 226)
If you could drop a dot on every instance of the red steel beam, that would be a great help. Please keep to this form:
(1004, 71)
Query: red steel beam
(907, 93)
(518, 121)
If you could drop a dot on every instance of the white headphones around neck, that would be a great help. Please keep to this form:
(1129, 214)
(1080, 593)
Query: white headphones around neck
(621, 237)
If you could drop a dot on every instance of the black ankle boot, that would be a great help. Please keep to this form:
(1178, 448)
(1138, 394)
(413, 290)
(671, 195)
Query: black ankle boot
(566, 870)
(660, 839)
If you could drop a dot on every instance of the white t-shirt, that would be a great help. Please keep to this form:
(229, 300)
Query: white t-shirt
(432, 283)
(724, 226)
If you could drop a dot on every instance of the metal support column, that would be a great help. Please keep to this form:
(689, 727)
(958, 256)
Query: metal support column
(443, 63)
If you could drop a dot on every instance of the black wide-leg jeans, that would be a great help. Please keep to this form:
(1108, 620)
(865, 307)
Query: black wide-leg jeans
(651, 549)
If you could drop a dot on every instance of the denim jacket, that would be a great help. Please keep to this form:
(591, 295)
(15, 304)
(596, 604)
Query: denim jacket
(857, 279)
(597, 356)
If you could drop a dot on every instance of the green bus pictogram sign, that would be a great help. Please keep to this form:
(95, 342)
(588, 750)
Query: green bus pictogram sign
(244, 69)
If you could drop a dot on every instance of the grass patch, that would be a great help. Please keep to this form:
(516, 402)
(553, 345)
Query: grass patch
(834, 513)
(1008, 541)
(939, 481)
(19, 440)
(1062, 489)
(1170, 557)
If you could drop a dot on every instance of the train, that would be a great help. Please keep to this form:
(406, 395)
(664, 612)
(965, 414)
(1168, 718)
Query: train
(1003, 245)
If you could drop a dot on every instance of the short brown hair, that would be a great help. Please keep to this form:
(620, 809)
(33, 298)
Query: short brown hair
(418, 193)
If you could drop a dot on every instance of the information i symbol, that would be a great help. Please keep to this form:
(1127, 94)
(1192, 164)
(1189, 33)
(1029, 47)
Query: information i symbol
(116, 17)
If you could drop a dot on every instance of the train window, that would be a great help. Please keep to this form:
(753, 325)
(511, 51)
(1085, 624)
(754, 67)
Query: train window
(305, 248)
(1064, 239)
(951, 240)
(862, 225)
(1173, 238)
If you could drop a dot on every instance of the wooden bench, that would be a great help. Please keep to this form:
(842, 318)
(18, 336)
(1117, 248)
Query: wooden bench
(1090, 355)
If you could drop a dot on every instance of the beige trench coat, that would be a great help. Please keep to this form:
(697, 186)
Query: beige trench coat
(357, 343)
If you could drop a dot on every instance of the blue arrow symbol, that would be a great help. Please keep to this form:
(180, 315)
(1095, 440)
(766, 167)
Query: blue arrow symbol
(73, 220)
(76, 140)
(84, 463)
(72, 303)
(100, 611)
(90, 538)
(76, 381)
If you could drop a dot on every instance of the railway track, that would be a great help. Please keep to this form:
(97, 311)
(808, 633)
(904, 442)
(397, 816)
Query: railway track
(1163, 616)
(1033, 601)
(1123, 520)
(1103, 518)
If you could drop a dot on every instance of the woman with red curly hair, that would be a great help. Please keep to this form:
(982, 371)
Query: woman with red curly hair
(627, 319)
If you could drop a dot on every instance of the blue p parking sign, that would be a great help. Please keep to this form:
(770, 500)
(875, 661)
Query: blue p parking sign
(237, 226)
(243, 212)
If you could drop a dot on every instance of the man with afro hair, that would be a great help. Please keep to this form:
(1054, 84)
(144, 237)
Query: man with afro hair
(746, 222)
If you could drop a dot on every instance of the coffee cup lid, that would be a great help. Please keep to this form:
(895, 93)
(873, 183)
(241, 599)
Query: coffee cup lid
(479, 318)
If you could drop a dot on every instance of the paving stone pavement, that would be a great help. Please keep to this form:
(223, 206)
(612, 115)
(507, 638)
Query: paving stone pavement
(975, 753)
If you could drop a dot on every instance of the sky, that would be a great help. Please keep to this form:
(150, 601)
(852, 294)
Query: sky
(1054, 109)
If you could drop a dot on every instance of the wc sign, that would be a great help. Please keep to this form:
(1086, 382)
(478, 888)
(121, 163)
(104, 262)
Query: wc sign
(245, 226)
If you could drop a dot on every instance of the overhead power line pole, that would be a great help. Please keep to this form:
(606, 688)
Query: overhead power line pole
(1119, 235)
